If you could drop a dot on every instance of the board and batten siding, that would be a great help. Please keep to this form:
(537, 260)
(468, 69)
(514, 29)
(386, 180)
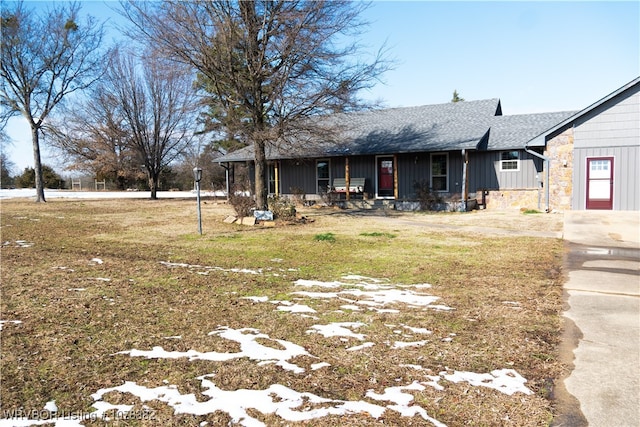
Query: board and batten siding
(613, 124)
(610, 130)
(416, 168)
(626, 176)
(484, 172)
(299, 174)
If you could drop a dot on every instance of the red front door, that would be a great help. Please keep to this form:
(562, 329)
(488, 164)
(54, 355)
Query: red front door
(600, 183)
(385, 177)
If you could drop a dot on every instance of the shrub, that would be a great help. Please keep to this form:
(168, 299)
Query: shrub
(329, 198)
(299, 196)
(281, 207)
(242, 201)
(427, 198)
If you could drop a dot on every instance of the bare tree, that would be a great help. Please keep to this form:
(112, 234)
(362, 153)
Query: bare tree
(45, 58)
(91, 138)
(267, 64)
(155, 107)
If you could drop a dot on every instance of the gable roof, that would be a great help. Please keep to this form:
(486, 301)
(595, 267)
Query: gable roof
(476, 125)
(512, 132)
(539, 140)
(426, 128)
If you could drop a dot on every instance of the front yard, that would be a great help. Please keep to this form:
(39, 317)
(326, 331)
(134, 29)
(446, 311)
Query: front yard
(118, 311)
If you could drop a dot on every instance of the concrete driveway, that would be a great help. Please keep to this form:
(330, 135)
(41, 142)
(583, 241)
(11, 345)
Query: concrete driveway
(602, 319)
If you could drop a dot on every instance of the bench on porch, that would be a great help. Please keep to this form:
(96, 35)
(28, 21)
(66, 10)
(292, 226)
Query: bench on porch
(356, 185)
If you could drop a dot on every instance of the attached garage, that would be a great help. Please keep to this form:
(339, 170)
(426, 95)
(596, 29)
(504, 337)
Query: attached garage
(595, 154)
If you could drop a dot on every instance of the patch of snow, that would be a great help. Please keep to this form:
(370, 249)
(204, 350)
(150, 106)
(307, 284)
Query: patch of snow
(96, 261)
(249, 347)
(380, 298)
(433, 382)
(320, 365)
(338, 330)
(361, 346)
(76, 289)
(207, 268)
(401, 344)
(402, 401)
(389, 296)
(297, 308)
(18, 244)
(408, 365)
(417, 330)
(174, 337)
(351, 307)
(257, 299)
(441, 307)
(449, 338)
(363, 278)
(103, 279)
(317, 294)
(506, 381)
(287, 403)
(51, 406)
(15, 322)
(317, 283)
(384, 310)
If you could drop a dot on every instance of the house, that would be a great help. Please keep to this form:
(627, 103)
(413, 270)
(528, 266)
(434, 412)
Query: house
(466, 152)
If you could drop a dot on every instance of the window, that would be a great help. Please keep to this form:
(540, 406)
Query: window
(322, 176)
(509, 161)
(439, 171)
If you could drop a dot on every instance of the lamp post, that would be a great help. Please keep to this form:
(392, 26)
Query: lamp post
(197, 175)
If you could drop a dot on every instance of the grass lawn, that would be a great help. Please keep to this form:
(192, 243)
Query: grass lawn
(345, 320)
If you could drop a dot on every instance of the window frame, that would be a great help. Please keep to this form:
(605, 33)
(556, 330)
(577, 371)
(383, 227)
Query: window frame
(515, 161)
(319, 189)
(439, 176)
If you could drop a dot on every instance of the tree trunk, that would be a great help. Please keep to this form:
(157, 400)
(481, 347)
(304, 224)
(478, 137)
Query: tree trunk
(153, 186)
(37, 164)
(260, 183)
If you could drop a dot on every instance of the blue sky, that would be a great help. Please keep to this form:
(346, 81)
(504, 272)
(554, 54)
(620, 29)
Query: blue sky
(535, 56)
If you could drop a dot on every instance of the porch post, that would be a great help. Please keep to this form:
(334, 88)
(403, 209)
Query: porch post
(347, 178)
(395, 177)
(465, 178)
(226, 178)
(277, 177)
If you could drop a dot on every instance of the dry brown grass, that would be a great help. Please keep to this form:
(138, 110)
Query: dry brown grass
(65, 347)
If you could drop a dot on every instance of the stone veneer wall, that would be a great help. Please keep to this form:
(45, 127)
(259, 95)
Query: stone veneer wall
(514, 199)
(560, 151)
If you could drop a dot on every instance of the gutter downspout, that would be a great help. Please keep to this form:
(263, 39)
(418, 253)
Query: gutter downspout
(547, 165)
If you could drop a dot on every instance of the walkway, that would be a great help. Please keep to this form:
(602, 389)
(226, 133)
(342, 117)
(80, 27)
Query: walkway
(603, 291)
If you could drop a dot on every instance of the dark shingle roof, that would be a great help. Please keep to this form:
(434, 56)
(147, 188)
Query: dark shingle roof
(440, 127)
(426, 128)
(511, 132)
